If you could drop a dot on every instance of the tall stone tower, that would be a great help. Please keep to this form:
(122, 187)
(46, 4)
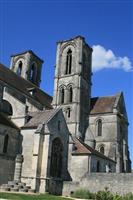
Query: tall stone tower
(28, 66)
(72, 86)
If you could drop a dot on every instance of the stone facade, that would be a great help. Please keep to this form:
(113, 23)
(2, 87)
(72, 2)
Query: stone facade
(84, 164)
(9, 148)
(67, 138)
(37, 151)
(113, 138)
(72, 89)
(120, 183)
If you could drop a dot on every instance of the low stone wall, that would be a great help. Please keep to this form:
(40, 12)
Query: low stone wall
(121, 183)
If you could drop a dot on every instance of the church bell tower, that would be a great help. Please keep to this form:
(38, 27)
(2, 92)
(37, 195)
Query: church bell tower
(72, 86)
(27, 65)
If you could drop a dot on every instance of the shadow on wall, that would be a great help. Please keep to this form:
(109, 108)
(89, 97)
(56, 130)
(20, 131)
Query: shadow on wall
(6, 108)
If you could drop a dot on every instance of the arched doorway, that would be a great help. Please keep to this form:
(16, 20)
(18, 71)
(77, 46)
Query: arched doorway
(56, 158)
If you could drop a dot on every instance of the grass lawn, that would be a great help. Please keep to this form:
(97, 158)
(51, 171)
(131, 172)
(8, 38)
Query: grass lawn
(14, 196)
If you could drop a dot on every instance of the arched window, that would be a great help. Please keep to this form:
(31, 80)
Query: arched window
(56, 158)
(32, 73)
(62, 95)
(99, 127)
(68, 112)
(19, 70)
(98, 166)
(70, 94)
(101, 149)
(69, 62)
(5, 146)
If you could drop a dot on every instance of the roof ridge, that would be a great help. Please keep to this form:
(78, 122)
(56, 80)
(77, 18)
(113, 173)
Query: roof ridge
(53, 114)
(93, 150)
(42, 117)
(26, 84)
(34, 86)
(104, 104)
(84, 144)
(104, 96)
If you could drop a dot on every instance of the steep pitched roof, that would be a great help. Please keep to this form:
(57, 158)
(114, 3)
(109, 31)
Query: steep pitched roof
(6, 121)
(102, 104)
(41, 117)
(9, 77)
(84, 149)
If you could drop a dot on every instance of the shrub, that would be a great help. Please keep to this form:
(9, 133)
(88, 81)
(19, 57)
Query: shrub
(107, 195)
(117, 197)
(101, 195)
(83, 194)
(104, 195)
(128, 197)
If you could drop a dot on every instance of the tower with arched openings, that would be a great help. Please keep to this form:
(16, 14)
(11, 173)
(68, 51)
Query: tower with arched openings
(27, 65)
(72, 86)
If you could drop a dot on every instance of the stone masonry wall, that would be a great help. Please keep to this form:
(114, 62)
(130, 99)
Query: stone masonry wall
(7, 159)
(117, 183)
(6, 169)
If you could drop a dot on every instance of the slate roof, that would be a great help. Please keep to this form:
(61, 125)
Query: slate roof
(41, 117)
(102, 104)
(84, 149)
(22, 85)
(6, 121)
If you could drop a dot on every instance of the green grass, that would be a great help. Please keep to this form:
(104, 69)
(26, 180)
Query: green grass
(83, 194)
(101, 195)
(13, 196)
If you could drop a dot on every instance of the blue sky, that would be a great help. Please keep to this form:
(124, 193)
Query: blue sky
(106, 25)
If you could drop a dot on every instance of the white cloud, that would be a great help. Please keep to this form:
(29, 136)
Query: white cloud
(102, 58)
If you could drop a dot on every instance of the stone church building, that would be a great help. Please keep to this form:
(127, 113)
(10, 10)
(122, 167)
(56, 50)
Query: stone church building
(47, 142)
